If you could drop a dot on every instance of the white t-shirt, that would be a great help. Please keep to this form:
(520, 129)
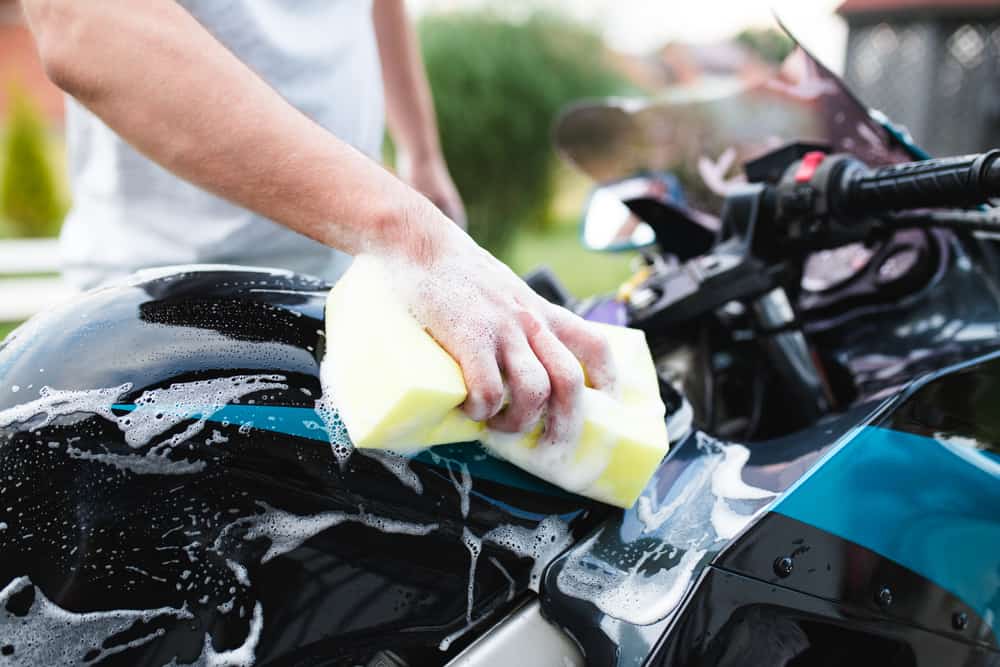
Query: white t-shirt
(129, 213)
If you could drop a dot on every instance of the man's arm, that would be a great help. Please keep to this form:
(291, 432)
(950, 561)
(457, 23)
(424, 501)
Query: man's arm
(150, 71)
(410, 109)
(154, 75)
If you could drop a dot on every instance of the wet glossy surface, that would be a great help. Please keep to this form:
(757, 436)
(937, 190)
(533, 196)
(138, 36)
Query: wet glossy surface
(884, 346)
(704, 494)
(169, 491)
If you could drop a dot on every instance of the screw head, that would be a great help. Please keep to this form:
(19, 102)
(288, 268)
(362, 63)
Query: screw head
(960, 620)
(783, 566)
(884, 596)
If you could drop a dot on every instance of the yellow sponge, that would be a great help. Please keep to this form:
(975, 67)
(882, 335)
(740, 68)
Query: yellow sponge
(396, 388)
(390, 379)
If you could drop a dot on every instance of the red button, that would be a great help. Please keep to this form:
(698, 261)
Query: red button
(807, 168)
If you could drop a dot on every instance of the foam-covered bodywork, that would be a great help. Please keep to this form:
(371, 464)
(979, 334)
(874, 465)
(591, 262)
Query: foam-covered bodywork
(169, 492)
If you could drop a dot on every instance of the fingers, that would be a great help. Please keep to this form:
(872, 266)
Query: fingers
(563, 420)
(588, 345)
(528, 382)
(484, 384)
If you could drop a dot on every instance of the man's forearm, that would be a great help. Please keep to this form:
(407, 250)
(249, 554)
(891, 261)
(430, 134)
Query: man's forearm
(409, 105)
(150, 71)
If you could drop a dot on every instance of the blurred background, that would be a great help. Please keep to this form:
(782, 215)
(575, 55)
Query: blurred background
(500, 76)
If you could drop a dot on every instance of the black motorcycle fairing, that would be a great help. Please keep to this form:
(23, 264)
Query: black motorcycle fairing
(739, 621)
(829, 596)
(922, 454)
(172, 494)
(826, 566)
(633, 550)
(881, 347)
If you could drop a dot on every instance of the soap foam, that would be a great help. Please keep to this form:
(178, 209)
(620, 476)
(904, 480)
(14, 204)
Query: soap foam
(333, 424)
(541, 544)
(475, 547)
(463, 486)
(287, 532)
(555, 462)
(707, 490)
(150, 464)
(159, 410)
(398, 465)
(51, 635)
(630, 595)
(642, 581)
(511, 584)
(53, 403)
(243, 655)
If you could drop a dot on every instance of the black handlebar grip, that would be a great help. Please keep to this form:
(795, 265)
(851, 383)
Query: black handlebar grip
(954, 182)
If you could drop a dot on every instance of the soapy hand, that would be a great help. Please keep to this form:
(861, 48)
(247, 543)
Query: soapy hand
(520, 355)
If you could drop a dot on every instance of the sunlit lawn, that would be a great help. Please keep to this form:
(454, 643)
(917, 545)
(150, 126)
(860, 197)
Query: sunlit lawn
(584, 272)
(6, 328)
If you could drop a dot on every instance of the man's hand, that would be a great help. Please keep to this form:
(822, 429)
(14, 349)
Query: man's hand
(521, 355)
(430, 177)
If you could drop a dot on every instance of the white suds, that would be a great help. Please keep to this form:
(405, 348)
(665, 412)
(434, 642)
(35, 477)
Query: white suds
(542, 544)
(53, 403)
(563, 462)
(475, 547)
(51, 635)
(159, 410)
(512, 585)
(149, 464)
(463, 486)
(336, 431)
(641, 584)
(287, 532)
(239, 571)
(629, 594)
(243, 655)
(398, 465)
(446, 643)
(711, 483)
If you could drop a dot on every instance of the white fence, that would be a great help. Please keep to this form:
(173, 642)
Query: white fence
(29, 280)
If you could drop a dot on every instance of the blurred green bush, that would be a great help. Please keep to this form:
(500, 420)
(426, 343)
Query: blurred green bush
(772, 45)
(30, 197)
(498, 86)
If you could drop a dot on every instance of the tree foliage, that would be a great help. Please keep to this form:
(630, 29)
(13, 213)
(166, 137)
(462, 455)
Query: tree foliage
(30, 199)
(498, 86)
(770, 44)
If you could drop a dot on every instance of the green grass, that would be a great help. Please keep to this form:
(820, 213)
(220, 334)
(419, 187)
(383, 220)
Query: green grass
(6, 328)
(584, 272)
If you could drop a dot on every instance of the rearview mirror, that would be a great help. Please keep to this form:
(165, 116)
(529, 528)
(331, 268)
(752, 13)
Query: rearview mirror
(611, 226)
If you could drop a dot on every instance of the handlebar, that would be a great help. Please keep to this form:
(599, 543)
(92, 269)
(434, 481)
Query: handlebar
(963, 181)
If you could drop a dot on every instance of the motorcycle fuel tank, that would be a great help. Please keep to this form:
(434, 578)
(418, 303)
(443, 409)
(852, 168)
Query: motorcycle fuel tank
(175, 490)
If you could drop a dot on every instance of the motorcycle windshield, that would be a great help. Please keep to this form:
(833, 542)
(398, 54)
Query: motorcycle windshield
(705, 131)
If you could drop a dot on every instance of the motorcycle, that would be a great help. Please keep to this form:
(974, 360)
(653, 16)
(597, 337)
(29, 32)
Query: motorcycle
(175, 487)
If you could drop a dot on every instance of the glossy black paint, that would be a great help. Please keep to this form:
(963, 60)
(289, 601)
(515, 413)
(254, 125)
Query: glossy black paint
(879, 347)
(831, 568)
(739, 621)
(92, 535)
